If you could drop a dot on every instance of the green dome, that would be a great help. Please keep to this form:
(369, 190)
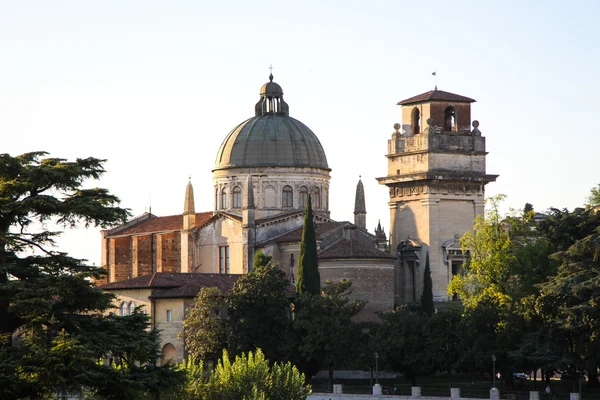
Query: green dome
(271, 140)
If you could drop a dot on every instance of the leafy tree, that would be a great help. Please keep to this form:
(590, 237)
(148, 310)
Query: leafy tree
(562, 228)
(204, 329)
(309, 279)
(53, 324)
(258, 316)
(487, 273)
(427, 296)
(570, 301)
(402, 342)
(325, 332)
(259, 311)
(445, 341)
(594, 197)
(248, 377)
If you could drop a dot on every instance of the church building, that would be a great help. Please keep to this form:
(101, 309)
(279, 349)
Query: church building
(265, 170)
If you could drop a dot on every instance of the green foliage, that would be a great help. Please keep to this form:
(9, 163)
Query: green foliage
(594, 198)
(325, 332)
(486, 276)
(259, 311)
(204, 329)
(309, 279)
(401, 343)
(427, 296)
(53, 323)
(248, 377)
(255, 314)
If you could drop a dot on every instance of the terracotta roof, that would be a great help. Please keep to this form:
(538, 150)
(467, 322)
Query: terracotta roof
(161, 224)
(353, 248)
(439, 95)
(295, 235)
(175, 284)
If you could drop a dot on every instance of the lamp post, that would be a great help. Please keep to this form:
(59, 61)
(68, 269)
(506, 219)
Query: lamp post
(376, 368)
(494, 371)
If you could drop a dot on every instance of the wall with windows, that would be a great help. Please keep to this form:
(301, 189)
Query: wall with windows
(129, 298)
(276, 190)
(218, 247)
(169, 315)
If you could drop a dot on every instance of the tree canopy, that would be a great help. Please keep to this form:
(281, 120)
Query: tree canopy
(55, 327)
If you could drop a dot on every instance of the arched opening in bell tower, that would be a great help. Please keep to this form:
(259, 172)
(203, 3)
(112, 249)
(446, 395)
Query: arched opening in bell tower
(450, 119)
(415, 121)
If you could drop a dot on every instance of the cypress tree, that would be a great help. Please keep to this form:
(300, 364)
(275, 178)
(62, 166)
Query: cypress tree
(427, 296)
(308, 266)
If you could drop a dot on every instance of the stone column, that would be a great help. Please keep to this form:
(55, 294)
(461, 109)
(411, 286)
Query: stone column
(112, 270)
(159, 253)
(377, 389)
(574, 396)
(392, 232)
(135, 266)
(415, 392)
(338, 389)
(534, 395)
(454, 393)
(494, 394)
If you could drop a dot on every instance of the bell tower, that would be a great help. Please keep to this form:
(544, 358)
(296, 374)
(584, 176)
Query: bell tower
(436, 179)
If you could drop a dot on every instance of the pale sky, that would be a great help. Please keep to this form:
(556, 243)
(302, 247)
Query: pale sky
(155, 86)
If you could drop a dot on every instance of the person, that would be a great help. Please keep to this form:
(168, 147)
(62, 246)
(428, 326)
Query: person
(548, 392)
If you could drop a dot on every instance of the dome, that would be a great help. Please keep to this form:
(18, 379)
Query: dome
(271, 89)
(271, 140)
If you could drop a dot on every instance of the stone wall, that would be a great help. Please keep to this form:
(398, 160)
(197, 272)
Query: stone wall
(372, 280)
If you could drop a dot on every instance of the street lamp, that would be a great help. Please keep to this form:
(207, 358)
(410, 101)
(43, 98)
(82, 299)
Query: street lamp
(494, 370)
(376, 368)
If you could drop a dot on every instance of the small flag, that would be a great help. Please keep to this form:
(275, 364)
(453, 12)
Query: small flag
(433, 73)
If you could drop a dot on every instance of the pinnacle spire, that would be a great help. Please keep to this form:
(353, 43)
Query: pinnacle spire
(188, 205)
(360, 210)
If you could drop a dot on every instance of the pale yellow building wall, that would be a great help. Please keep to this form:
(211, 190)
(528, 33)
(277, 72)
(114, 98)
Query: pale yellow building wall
(222, 232)
(425, 112)
(170, 330)
(138, 296)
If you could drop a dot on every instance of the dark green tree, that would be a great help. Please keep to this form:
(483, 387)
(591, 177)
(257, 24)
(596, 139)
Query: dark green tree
(570, 302)
(204, 328)
(54, 327)
(309, 279)
(427, 296)
(402, 341)
(259, 311)
(324, 331)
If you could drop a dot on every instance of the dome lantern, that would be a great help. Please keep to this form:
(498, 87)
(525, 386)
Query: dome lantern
(271, 100)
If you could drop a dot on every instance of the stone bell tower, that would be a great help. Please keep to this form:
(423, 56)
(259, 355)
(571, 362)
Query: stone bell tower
(436, 179)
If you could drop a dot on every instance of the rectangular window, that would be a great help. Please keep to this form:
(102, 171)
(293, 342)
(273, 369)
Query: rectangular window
(224, 259)
(168, 315)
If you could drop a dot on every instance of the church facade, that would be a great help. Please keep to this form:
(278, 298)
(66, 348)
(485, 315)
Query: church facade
(265, 170)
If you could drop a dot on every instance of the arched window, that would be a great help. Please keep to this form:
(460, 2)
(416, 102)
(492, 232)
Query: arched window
(302, 196)
(216, 199)
(168, 354)
(287, 197)
(316, 198)
(131, 307)
(237, 197)
(224, 199)
(416, 121)
(123, 309)
(450, 119)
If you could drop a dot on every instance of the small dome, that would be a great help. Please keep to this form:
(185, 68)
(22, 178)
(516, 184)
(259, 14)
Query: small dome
(271, 89)
(271, 140)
